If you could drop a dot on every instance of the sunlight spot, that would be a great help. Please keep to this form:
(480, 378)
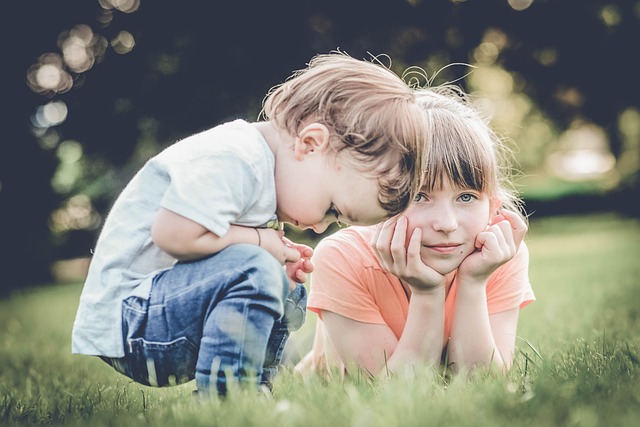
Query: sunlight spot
(610, 15)
(105, 18)
(496, 37)
(126, 6)
(51, 114)
(81, 47)
(569, 96)
(520, 4)
(629, 127)
(70, 169)
(167, 64)
(123, 42)
(583, 154)
(629, 123)
(48, 139)
(494, 80)
(48, 75)
(77, 213)
(486, 53)
(70, 152)
(547, 56)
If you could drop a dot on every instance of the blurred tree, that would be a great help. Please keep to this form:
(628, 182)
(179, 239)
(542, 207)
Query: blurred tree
(114, 81)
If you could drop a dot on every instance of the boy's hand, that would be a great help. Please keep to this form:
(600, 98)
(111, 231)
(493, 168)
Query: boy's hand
(298, 271)
(402, 259)
(273, 241)
(494, 247)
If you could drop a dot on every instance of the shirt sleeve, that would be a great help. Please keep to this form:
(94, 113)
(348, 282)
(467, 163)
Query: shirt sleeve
(213, 191)
(509, 286)
(340, 280)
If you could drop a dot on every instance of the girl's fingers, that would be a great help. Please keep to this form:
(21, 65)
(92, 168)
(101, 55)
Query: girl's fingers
(517, 224)
(413, 249)
(398, 240)
(382, 243)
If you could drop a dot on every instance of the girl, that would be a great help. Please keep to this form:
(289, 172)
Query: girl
(446, 279)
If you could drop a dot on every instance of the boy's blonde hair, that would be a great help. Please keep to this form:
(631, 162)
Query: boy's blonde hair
(463, 149)
(372, 114)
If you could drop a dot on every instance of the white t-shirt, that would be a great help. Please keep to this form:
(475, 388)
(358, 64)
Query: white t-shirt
(219, 177)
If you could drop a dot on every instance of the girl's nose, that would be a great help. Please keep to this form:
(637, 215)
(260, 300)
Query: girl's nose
(444, 219)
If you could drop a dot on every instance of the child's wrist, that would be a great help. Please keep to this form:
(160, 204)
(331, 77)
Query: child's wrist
(259, 237)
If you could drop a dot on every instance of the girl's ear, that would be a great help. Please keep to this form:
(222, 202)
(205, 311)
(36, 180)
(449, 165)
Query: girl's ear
(312, 138)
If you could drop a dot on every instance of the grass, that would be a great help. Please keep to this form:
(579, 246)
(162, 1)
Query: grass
(578, 362)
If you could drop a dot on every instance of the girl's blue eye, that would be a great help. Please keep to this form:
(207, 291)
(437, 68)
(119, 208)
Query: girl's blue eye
(467, 197)
(420, 197)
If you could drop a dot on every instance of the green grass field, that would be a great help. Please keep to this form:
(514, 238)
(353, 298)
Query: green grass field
(578, 362)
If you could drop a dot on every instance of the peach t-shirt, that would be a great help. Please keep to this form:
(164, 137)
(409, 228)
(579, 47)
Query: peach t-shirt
(348, 280)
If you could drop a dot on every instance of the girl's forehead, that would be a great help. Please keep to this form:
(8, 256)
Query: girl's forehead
(439, 182)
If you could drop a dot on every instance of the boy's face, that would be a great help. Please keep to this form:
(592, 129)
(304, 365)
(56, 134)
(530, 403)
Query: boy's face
(450, 219)
(317, 190)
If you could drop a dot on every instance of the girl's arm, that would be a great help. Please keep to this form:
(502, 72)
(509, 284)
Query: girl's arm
(187, 240)
(477, 338)
(376, 349)
(480, 339)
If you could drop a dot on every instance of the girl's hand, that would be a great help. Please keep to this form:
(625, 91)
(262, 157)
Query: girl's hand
(494, 247)
(402, 259)
(299, 270)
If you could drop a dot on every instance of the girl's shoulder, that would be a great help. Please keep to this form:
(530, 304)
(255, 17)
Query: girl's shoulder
(351, 245)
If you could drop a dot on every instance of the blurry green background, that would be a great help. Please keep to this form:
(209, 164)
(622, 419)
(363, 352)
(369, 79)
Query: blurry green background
(93, 88)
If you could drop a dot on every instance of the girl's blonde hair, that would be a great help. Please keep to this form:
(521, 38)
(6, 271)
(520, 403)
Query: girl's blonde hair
(463, 149)
(372, 114)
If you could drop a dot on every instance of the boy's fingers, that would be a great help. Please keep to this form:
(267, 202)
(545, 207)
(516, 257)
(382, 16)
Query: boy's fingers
(291, 254)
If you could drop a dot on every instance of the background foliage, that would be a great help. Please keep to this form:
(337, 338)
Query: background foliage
(95, 87)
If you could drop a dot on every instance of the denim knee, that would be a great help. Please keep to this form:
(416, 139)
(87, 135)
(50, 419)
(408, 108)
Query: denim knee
(265, 273)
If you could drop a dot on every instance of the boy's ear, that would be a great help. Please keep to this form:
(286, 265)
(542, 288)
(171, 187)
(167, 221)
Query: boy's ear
(313, 137)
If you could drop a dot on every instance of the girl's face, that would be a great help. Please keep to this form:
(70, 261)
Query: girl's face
(450, 220)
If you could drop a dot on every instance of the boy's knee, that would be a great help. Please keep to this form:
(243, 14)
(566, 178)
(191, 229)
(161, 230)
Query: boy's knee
(264, 271)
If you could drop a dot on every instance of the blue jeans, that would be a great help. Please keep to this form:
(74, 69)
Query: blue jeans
(211, 319)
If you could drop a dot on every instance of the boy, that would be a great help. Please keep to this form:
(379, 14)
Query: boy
(186, 279)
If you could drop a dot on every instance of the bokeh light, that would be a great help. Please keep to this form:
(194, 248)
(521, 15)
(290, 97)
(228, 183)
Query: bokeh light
(70, 169)
(123, 42)
(77, 213)
(582, 154)
(126, 6)
(50, 114)
(48, 76)
(520, 4)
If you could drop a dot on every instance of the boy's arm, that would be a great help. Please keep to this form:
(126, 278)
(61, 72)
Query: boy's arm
(187, 240)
